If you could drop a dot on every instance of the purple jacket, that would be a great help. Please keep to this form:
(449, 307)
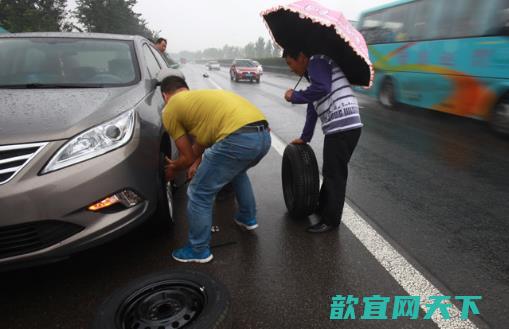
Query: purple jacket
(329, 97)
(319, 74)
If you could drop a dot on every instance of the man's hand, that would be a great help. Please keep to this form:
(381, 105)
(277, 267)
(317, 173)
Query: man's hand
(192, 170)
(288, 95)
(298, 141)
(169, 172)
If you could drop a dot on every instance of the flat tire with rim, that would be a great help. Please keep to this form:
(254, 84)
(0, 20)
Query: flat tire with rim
(171, 300)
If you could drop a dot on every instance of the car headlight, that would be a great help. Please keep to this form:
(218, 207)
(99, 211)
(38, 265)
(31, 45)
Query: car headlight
(94, 142)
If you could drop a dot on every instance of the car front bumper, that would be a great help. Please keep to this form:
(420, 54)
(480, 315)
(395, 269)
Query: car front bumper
(46, 217)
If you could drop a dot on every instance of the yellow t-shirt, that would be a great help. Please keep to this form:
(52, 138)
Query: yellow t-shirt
(208, 115)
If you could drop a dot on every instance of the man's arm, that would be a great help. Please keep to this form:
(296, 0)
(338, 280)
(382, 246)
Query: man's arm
(198, 151)
(320, 76)
(309, 126)
(186, 157)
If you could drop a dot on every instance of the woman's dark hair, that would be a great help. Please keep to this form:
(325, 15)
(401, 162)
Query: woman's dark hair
(172, 83)
(158, 41)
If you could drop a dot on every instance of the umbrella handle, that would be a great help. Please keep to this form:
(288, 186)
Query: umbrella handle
(298, 82)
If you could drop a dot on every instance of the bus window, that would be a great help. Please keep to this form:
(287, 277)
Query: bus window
(459, 18)
(499, 23)
(469, 19)
(396, 23)
(418, 27)
(371, 27)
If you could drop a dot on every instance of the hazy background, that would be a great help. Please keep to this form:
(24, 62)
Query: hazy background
(198, 24)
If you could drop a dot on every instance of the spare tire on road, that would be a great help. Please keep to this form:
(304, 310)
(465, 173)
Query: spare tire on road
(171, 299)
(301, 181)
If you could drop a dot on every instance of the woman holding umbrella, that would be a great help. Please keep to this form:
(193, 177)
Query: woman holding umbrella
(322, 46)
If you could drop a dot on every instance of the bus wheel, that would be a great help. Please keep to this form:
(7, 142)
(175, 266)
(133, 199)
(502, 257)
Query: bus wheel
(500, 116)
(387, 96)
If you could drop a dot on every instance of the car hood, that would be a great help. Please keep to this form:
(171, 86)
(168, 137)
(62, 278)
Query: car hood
(39, 115)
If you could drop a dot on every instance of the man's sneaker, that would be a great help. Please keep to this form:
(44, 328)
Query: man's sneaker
(187, 254)
(249, 225)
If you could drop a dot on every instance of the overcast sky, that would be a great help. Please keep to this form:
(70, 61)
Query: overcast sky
(199, 24)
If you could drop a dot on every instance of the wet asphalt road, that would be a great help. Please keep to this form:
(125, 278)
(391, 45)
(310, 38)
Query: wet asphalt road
(435, 186)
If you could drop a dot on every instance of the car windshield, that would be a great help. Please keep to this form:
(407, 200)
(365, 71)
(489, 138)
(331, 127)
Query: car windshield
(66, 62)
(244, 63)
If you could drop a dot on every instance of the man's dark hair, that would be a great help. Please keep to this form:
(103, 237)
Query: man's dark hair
(172, 83)
(294, 52)
(158, 41)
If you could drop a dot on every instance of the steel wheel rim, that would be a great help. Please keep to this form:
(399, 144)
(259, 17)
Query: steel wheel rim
(169, 198)
(168, 304)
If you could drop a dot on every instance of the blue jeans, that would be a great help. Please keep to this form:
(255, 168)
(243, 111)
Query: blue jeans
(224, 162)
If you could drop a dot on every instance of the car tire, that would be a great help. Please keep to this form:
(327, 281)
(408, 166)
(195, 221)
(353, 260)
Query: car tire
(387, 95)
(301, 181)
(499, 120)
(165, 206)
(170, 299)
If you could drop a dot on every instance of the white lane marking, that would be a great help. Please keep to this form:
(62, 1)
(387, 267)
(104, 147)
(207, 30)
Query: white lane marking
(214, 83)
(408, 277)
(277, 143)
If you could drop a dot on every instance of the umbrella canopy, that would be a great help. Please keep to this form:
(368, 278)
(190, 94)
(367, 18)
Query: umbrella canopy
(309, 26)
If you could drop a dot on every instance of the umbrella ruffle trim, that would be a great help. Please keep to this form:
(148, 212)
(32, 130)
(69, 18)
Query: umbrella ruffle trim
(322, 22)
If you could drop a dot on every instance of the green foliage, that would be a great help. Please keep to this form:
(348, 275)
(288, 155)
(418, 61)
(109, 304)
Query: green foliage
(33, 15)
(112, 16)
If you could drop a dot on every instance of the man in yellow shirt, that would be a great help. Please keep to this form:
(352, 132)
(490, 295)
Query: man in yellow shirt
(230, 136)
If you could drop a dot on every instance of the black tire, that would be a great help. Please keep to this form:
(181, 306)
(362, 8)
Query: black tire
(387, 95)
(171, 299)
(165, 207)
(301, 181)
(499, 120)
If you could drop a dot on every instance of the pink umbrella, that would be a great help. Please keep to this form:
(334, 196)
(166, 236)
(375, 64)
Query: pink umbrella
(308, 25)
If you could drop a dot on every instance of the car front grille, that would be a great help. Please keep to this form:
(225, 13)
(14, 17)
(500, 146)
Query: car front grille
(29, 237)
(14, 157)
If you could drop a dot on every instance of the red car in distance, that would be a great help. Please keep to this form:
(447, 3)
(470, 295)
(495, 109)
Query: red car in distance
(244, 69)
